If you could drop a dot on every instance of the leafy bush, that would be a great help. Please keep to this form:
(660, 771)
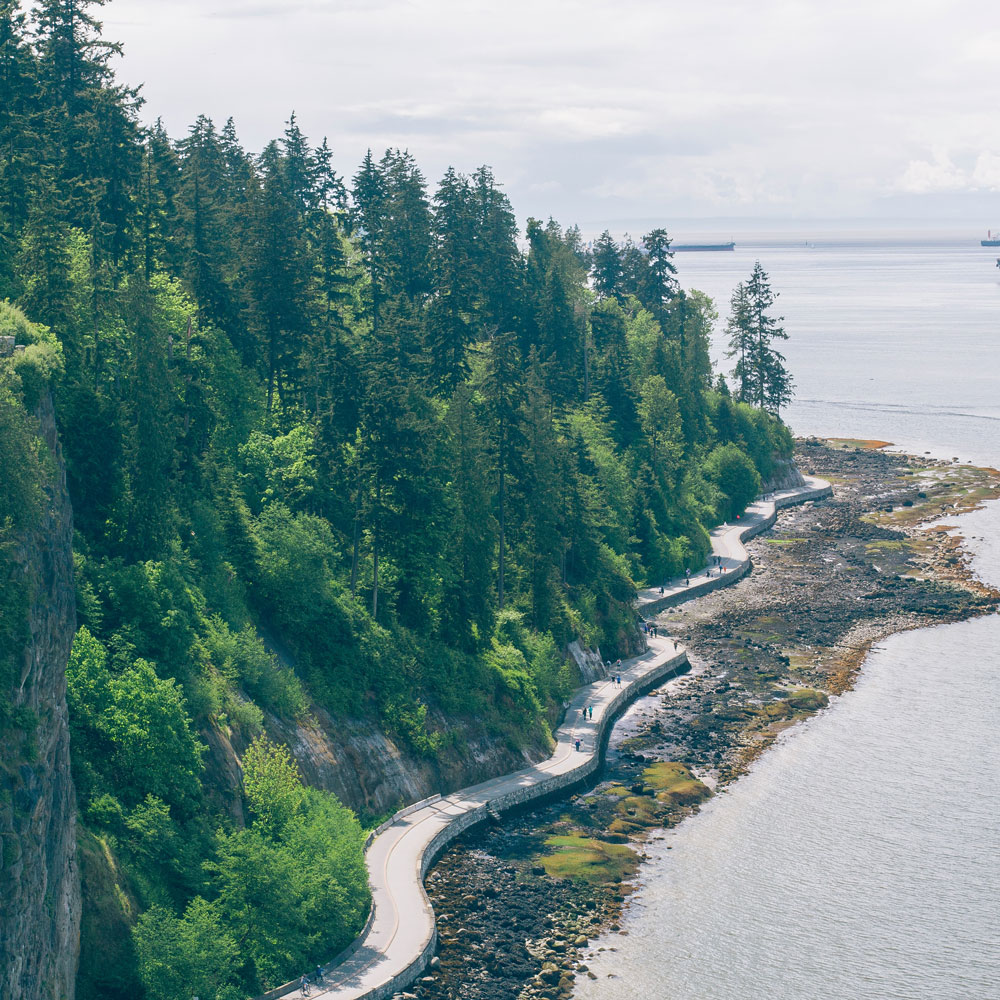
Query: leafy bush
(735, 476)
(192, 955)
(22, 474)
(132, 731)
(292, 889)
(243, 658)
(36, 366)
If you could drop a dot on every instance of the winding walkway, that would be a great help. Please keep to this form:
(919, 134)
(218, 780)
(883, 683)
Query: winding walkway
(401, 934)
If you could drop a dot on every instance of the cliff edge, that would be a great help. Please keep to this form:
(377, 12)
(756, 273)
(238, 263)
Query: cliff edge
(39, 879)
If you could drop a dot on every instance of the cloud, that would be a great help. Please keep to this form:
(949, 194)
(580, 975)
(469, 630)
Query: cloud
(627, 106)
(932, 176)
(940, 174)
(986, 173)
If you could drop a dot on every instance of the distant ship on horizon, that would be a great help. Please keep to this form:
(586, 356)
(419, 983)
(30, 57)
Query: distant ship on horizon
(991, 240)
(693, 247)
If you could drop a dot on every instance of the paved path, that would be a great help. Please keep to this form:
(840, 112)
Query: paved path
(401, 935)
(727, 547)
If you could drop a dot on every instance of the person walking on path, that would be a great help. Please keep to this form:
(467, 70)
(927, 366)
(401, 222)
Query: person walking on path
(590, 712)
(687, 577)
(577, 744)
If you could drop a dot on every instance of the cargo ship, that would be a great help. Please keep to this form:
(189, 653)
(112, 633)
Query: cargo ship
(990, 241)
(698, 247)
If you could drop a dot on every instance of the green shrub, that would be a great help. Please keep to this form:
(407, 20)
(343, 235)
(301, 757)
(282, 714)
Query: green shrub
(131, 732)
(241, 657)
(736, 478)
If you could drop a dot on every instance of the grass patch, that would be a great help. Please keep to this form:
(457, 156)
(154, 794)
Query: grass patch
(675, 784)
(799, 702)
(852, 444)
(808, 700)
(588, 860)
(616, 791)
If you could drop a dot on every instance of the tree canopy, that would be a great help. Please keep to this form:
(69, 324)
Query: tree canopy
(352, 443)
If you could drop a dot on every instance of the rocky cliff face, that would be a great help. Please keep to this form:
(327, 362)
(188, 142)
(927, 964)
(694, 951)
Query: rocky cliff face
(785, 476)
(39, 880)
(373, 775)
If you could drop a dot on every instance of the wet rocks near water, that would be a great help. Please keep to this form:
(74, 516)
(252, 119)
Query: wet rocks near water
(520, 905)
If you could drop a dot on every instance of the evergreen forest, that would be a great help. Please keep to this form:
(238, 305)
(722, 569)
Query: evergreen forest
(354, 442)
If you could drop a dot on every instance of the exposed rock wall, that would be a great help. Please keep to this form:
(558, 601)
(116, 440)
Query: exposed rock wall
(39, 878)
(588, 662)
(374, 776)
(784, 476)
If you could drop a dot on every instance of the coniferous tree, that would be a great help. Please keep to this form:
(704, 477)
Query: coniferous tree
(544, 546)
(607, 267)
(451, 320)
(774, 387)
(210, 261)
(738, 330)
(496, 259)
(466, 605)
(501, 391)
(660, 274)
(279, 274)
(368, 217)
(612, 363)
(406, 240)
(90, 121)
(42, 263)
(760, 372)
(635, 270)
(18, 133)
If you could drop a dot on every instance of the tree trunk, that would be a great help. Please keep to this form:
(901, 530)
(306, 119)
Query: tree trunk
(378, 510)
(502, 498)
(357, 545)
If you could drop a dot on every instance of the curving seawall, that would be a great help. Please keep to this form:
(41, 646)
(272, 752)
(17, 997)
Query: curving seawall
(400, 936)
(727, 544)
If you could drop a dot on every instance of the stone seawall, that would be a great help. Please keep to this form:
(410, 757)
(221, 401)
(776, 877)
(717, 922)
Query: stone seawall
(526, 794)
(756, 522)
(401, 934)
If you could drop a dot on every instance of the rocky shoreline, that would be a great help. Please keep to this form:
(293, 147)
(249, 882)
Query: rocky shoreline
(518, 903)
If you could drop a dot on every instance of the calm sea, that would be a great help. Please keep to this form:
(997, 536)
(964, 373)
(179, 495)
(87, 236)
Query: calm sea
(860, 858)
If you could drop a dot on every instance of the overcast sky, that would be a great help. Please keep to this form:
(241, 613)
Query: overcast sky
(609, 112)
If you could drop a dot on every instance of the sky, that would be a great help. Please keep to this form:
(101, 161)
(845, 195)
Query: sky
(618, 114)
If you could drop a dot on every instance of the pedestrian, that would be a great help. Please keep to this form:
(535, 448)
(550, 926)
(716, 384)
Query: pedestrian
(619, 679)
(577, 744)
(661, 589)
(319, 974)
(590, 711)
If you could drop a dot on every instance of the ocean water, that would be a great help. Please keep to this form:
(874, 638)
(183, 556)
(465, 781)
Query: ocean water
(860, 858)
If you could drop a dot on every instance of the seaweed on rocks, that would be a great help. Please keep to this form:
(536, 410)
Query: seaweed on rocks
(831, 579)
